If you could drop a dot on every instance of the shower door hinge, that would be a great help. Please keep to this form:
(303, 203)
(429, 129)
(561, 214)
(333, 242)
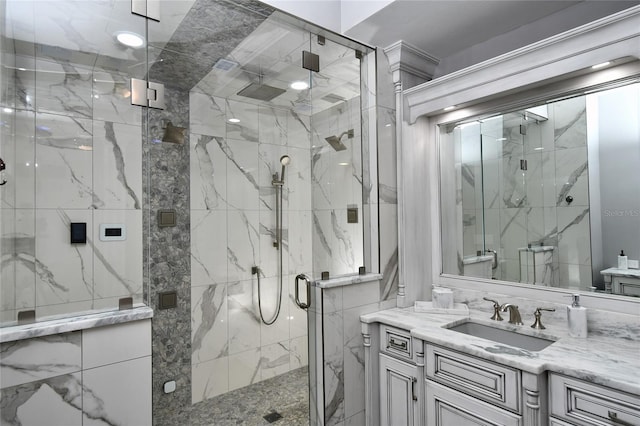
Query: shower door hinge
(523, 129)
(147, 93)
(310, 61)
(147, 8)
(523, 164)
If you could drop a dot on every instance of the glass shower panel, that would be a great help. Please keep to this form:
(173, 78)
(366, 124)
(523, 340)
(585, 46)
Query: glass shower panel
(338, 244)
(67, 135)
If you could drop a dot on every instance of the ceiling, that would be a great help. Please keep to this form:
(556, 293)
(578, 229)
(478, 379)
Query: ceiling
(445, 28)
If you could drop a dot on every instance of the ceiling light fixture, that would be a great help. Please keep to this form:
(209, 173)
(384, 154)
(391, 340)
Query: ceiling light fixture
(299, 85)
(129, 39)
(449, 108)
(602, 65)
(234, 120)
(7, 110)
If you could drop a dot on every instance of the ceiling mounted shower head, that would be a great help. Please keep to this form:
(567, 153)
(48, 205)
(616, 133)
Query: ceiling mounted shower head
(261, 92)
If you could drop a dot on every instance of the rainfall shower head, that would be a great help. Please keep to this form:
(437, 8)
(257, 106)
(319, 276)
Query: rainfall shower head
(261, 92)
(335, 141)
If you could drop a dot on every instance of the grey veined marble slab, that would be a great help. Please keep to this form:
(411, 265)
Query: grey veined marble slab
(82, 322)
(592, 358)
(346, 280)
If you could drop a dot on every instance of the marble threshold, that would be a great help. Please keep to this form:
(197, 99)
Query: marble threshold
(629, 273)
(75, 323)
(346, 280)
(599, 359)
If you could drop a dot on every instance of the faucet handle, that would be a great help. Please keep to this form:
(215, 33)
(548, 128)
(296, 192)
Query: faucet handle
(496, 309)
(537, 324)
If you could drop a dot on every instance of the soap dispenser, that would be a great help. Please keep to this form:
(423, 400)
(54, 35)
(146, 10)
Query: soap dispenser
(623, 261)
(577, 318)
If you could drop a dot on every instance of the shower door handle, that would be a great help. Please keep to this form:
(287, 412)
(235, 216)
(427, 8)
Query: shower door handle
(307, 281)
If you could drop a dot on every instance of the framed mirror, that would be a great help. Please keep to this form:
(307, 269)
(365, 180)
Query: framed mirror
(546, 192)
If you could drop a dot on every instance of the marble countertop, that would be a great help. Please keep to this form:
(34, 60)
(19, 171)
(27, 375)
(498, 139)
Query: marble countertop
(622, 272)
(346, 280)
(598, 359)
(476, 259)
(80, 322)
(537, 249)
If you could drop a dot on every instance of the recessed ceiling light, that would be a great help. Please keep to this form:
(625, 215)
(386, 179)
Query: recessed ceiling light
(22, 69)
(234, 120)
(387, 125)
(343, 164)
(85, 148)
(299, 85)
(129, 39)
(449, 108)
(602, 65)
(7, 110)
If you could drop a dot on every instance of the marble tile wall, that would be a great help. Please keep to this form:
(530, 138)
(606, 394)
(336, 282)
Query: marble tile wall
(233, 223)
(529, 207)
(341, 355)
(95, 376)
(72, 145)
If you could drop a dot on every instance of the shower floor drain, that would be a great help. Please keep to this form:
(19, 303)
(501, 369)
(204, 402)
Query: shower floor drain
(272, 417)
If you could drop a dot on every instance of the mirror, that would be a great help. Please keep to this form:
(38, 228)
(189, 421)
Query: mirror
(546, 194)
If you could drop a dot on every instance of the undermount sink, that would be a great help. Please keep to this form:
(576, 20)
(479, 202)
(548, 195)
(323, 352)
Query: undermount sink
(499, 335)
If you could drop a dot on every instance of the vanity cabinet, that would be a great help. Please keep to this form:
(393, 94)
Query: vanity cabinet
(575, 402)
(401, 397)
(462, 389)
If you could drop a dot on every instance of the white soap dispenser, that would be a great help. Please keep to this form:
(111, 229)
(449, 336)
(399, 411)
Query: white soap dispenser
(577, 318)
(623, 261)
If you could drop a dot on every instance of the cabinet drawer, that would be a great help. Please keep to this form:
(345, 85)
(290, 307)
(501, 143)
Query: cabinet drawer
(557, 422)
(588, 404)
(493, 383)
(395, 341)
(446, 407)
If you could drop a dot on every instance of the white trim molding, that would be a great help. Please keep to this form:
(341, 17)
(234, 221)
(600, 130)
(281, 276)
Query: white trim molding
(609, 38)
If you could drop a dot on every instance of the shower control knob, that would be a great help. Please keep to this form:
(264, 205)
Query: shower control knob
(569, 199)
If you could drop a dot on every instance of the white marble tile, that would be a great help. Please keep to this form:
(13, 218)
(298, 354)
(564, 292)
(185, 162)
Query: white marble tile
(244, 369)
(299, 350)
(513, 231)
(570, 123)
(208, 247)
(17, 269)
(360, 294)
(206, 114)
(106, 401)
(273, 125)
(25, 82)
(247, 128)
(243, 244)
(112, 99)
(208, 172)
(63, 88)
(117, 265)
(332, 300)
(321, 177)
(244, 321)
(534, 180)
(64, 271)
(388, 251)
(242, 174)
(40, 358)
(117, 174)
(321, 240)
(574, 238)
(64, 171)
(209, 379)
(274, 359)
(299, 238)
(348, 244)
(269, 254)
(57, 400)
(17, 141)
(209, 323)
(116, 343)
(356, 420)
(549, 191)
(574, 276)
(298, 130)
(572, 177)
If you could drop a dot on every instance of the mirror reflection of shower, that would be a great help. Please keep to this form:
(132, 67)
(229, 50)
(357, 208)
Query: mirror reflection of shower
(278, 183)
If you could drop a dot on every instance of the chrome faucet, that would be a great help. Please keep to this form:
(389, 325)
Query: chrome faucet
(514, 313)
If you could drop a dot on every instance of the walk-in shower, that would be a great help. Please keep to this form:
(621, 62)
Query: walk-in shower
(194, 185)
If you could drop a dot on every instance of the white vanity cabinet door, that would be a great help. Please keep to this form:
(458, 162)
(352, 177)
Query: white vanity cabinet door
(399, 402)
(447, 407)
(585, 403)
